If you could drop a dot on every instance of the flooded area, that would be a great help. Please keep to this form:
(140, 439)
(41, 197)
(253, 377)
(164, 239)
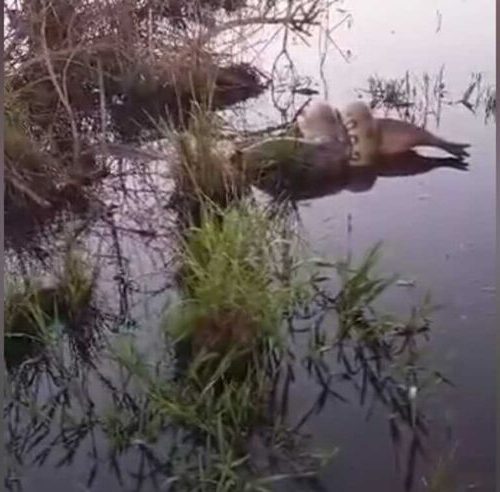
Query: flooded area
(438, 228)
(438, 231)
(436, 223)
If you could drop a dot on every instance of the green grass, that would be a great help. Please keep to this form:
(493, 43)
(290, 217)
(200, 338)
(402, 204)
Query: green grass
(33, 307)
(230, 276)
(237, 293)
(201, 423)
(359, 289)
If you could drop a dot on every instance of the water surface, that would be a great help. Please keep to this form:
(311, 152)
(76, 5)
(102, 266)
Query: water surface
(437, 228)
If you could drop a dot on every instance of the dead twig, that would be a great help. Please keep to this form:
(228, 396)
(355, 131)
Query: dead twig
(60, 92)
(298, 20)
(16, 181)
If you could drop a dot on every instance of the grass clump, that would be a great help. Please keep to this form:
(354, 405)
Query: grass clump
(235, 294)
(34, 307)
(203, 171)
(256, 322)
(359, 289)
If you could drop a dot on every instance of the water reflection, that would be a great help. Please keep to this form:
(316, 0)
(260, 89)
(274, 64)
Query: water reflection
(62, 403)
(307, 183)
(64, 411)
(135, 232)
(59, 408)
(420, 98)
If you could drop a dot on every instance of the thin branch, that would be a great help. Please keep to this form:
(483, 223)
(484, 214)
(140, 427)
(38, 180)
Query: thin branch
(306, 18)
(15, 181)
(60, 93)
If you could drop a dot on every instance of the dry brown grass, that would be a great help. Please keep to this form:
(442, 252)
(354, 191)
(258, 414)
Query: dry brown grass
(85, 72)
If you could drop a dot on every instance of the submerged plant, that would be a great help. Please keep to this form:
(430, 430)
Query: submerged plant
(359, 289)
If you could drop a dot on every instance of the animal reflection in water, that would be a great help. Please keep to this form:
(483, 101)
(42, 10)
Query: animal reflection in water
(347, 150)
(308, 182)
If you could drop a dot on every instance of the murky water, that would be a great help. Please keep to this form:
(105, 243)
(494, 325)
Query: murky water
(437, 228)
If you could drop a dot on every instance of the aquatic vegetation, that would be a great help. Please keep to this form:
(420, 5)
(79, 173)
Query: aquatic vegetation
(236, 289)
(34, 307)
(476, 96)
(357, 294)
(212, 403)
(396, 93)
(490, 103)
(203, 169)
(416, 98)
(412, 97)
(209, 425)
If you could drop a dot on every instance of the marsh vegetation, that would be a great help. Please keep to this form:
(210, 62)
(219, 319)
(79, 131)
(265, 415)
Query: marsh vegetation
(185, 312)
(208, 410)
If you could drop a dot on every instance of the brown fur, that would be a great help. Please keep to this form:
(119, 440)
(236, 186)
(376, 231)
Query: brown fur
(397, 137)
(382, 136)
(321, 122)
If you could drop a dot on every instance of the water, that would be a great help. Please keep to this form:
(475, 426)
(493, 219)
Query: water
(437, 228)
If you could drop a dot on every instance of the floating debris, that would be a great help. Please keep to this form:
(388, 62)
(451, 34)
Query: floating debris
(405, 283)
(488, 289)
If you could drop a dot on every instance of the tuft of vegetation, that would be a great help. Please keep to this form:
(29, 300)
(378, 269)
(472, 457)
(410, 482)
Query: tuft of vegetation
(203, 171)
(236, 296)
(34, 307)
(255, 314)
(490, 98)
(252, 313)
(411, 97)
(416, 98)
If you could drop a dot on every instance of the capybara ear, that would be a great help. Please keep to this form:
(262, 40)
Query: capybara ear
(357, 110)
